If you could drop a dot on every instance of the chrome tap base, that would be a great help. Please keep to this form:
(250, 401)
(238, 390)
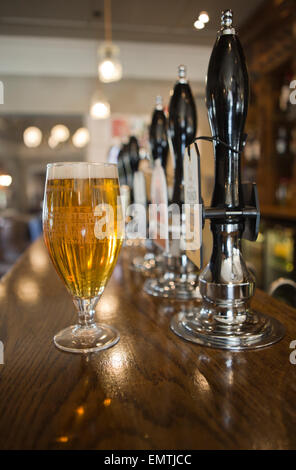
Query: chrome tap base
(224, 319)
(179, 281)
(148, 265)
(205, 326)
(172, 286)
(151, 264)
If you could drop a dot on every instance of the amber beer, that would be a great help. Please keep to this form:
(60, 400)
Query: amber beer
(82, 223)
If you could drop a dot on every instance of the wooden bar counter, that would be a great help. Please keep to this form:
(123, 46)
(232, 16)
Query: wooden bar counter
(150, 391)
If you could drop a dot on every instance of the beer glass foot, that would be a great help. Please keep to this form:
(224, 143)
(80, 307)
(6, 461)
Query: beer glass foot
(84, 339)
(200, 326)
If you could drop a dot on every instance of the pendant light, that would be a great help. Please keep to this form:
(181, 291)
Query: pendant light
(109, 68)
(99, 107)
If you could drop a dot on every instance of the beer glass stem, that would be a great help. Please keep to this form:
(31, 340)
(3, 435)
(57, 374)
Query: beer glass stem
(86, 310)
(88, 335)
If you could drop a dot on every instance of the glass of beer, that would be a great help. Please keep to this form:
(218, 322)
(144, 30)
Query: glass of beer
(83, 232)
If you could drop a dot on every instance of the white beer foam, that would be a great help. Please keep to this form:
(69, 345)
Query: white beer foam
(83, 170)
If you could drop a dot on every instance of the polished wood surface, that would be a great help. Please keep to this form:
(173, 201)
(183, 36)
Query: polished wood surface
(150, 391)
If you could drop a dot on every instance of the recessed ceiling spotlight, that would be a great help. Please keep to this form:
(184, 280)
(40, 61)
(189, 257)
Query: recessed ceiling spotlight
(204, 17)
(198, 24)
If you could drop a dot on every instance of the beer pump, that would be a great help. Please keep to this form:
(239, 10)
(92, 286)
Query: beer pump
(133, 153)
(225, 319)
(158, 134)
(180, 276)
(182, 129)
(121, 168)
(151, 262)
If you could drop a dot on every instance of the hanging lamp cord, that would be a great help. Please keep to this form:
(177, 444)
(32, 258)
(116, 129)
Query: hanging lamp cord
(108, 21)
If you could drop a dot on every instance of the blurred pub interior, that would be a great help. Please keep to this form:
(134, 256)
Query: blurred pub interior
(49, 70)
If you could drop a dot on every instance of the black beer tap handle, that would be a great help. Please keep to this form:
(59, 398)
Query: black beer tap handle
(182, 128)
(158, 134)
(250, 213)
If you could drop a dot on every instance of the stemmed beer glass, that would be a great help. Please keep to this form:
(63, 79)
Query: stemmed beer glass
(83, 232)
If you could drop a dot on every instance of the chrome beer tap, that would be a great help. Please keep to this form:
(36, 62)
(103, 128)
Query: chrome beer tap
(225, 318)
(151, 263)
(179, 279)
(182, 129)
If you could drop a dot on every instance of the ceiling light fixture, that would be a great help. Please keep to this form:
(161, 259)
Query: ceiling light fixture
(52, 142)
(32, 137)
(204, 17)
(198, 24)
(5, 180)
(60, 133)
(109, 68)
(99, 108)
(81, 137)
